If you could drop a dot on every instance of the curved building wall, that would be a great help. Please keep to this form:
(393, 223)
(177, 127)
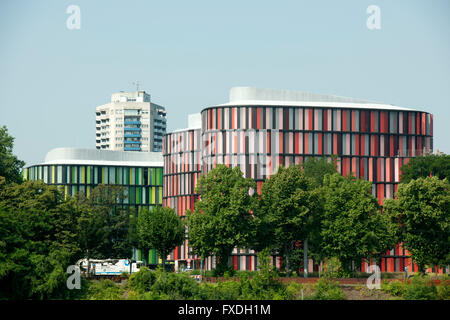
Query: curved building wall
(143, 185)
(182, 169)
(373, 144)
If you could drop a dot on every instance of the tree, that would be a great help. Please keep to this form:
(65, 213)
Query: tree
(425, 166)
(422, 212)
(221, 219)
(289, 211)
(41, 234)
(160, 229)
(200, 240)
(10, 165)
(317, 168)
(352, 227)
(104, 224)
(37, 241)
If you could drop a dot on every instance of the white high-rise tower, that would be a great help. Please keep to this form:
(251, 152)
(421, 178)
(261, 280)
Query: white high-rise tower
(130, 122)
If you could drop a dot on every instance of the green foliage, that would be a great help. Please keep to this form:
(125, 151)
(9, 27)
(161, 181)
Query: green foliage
(420, 288)
(143, 280)
(223, 270)
(243, 273)
(424, 166)
(104, 290)
(422, 212)
(333, 269)
(443, 291)
(294, 291)
(221, 220)
(352, 227)
(36, 242)
(326, 289)
(265, 268)
(264, 285)
(289, 211)
(104, 227)
(160, 229)
(317, 168)
(10, 165)
(28, 195)
(226, 290)
(176, 286)
(395, 288)
(41, 234)
(163, 285)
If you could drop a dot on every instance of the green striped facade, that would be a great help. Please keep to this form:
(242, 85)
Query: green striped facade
(143, 185)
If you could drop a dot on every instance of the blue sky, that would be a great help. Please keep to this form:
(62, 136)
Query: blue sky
(188, 54)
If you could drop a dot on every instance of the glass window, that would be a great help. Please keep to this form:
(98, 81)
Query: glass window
(346, 120)
(59, 174)
(336, 120)
(393, 122)
(318, 119)
(318, 143)
(346, 144)
(374, 121)
(308, 119)
(328, 143)
(75, 174)
(412, 128)
(353, 145)
(96, 174)
(45, 168)
(112, 175)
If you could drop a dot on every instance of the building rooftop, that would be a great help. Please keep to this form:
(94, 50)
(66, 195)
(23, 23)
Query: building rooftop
(130, 96)
(79, 156)
(245, 96)
(194, 122)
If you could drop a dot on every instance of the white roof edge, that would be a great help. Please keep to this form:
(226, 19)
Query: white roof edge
(314, 104)
(244, 95)
(252, 93)
(80, 156)
(181, 130)
(104, 163)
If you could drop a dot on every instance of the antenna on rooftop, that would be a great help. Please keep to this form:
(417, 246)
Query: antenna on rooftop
(136, 83)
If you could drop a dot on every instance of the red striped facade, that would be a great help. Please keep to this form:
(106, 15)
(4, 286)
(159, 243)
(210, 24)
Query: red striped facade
(371, 144)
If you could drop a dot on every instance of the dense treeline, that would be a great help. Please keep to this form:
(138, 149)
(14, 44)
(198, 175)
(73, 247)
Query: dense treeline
(41, 234)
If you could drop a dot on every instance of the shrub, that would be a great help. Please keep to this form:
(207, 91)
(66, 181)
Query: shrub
(160, 285)
(175, 286)
(243, 273)
(420, 289)
(142, 281)
(395, 288)
(326, 289)
(294, 291)
(443, 291)
(333, 269)
(104, 290)
(225, 271)
(209, 273)
(227, 290)
(264, 285)
(194, 272)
